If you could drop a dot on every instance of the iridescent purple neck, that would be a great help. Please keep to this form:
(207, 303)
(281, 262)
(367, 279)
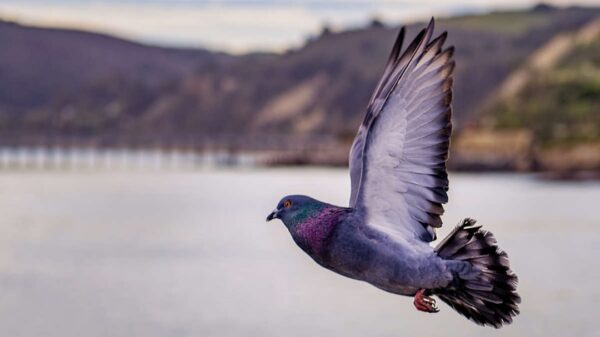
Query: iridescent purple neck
(312, 233)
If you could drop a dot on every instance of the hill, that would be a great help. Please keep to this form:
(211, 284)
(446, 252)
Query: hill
(56, 83)
(553, 101)
(65, 86)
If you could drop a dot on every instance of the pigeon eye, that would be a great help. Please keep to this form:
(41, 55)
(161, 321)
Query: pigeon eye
(287, 204)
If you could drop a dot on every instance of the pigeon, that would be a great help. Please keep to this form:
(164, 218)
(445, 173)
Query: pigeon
(399, 184)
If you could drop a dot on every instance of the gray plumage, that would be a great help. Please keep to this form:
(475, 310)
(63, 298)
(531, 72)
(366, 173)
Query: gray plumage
(399, 183)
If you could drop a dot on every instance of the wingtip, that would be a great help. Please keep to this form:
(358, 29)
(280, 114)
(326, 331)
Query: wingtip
(431, 24)
(420, 35)
(400, 37)
(401, 33)
(442, 38)
(395, 53)
(429, 30)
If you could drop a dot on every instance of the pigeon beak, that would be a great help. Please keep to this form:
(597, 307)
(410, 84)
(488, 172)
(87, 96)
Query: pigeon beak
(273, 215)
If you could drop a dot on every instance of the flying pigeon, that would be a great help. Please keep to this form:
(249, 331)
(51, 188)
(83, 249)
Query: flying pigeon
(399, 183)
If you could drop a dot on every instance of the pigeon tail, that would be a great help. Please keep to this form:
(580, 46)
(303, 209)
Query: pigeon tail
(484, 288)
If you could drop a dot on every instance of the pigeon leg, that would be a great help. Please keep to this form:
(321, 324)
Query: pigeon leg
(425, 303)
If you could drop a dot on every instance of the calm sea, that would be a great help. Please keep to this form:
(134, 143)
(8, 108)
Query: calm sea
(190, 254)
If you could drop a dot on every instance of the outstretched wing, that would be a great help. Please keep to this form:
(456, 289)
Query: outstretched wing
(398, 158)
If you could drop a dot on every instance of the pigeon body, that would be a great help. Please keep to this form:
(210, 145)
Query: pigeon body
(336, 239)
(399, 183)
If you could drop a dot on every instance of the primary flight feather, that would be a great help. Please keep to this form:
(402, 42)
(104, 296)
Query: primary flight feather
(399, 183)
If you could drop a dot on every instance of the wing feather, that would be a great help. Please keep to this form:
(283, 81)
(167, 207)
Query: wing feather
(398, 158)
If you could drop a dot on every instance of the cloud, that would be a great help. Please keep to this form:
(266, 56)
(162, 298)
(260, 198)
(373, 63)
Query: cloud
(233, 28)
(237, 26)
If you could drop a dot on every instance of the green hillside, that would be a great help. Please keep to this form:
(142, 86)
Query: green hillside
(509, 22)
(546, 115)
(561, 105)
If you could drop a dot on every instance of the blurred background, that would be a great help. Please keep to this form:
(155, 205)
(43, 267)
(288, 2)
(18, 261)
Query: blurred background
(142, 144)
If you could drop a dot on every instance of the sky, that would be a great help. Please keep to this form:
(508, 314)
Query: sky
(236, 26)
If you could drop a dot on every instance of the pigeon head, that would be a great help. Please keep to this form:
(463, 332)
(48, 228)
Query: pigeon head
(293, 209)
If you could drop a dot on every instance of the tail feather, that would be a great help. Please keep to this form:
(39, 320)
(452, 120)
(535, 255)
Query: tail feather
(489, 296)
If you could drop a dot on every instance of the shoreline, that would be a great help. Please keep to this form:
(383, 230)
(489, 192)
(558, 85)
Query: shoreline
(73, 158)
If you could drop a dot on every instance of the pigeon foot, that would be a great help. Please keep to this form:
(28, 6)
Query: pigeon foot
(425, 303)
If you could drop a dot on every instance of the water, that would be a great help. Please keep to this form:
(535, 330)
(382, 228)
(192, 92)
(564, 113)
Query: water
(189, 254)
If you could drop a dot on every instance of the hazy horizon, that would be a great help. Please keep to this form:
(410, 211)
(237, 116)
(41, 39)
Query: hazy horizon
(236, 26)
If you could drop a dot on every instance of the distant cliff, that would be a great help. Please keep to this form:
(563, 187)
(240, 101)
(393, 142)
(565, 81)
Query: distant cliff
(549, 110)
(70, 87)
